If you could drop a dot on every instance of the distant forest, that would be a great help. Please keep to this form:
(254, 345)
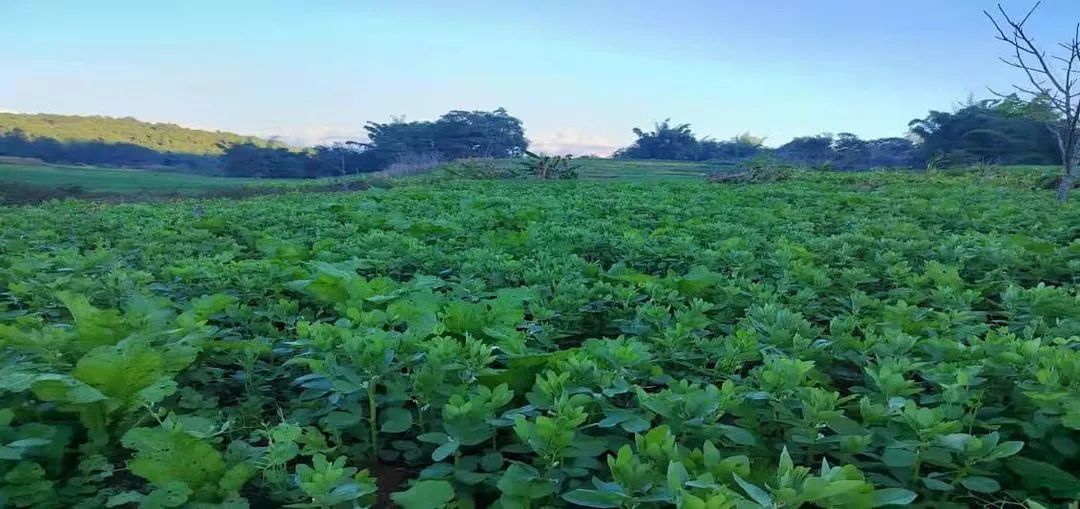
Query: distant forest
(107, 141)
(995, 131)
(998, 131)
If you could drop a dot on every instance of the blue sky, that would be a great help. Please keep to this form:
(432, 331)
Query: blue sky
(579, 74)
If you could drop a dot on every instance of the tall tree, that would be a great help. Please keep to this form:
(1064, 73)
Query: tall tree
(1052, 77)
(808, 149)
(998, 131)
(665, 141)
(457, 134)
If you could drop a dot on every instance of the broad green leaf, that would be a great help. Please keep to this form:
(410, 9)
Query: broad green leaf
(980, 484)
(1040, 475)
(936, 484)
(893, 496)
(425, 495)
(595, 498)
(445, 450)
(163, 456)
(901, 458)
(1004, 450)
(755, 493)
(395, 420)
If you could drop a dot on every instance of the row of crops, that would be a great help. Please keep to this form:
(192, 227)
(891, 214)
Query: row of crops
(829, 341)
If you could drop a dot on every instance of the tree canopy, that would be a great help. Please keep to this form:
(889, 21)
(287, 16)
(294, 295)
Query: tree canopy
(107, 141)
(1008, 130)
(154, 136)
(1001, 131)
(455, 135)
(678, 142)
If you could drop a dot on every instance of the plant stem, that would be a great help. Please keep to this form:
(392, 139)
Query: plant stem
(372, 415)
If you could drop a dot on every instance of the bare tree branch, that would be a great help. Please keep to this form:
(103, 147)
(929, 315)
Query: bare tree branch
(1057, 84)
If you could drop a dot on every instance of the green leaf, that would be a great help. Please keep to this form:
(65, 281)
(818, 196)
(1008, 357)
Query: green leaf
(676, 476)
(786, 464)
(893, 496)
(980, 484)
(51, 387)
(1037, 475)
(171, 494)
(491, 461)
(445, 450)
(125, 370)
(164, 456)
(470, 477)
(1004, 450)
(95, 327)
(1032, 504)
(425, 495)
(740, 436)
(524, 481)
(395, 420)
(236, 477)
(595, 498)
(936, 484)
(342, 420)
(434, 438)
(124, 498)
(757, 494)
(899, 458)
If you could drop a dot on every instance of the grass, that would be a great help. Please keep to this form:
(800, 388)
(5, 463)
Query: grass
(94, 180)
(104, 180)
(112, 181)
(129, 183)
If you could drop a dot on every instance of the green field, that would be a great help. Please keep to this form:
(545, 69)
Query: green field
(832, 340)
(620, 169)
(105, 180)
(94, 180)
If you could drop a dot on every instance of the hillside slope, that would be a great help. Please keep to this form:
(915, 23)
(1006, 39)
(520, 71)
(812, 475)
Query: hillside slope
(160, 137)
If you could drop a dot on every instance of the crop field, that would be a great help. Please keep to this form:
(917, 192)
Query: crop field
(124, 182)
(621, 169)
(833, 340)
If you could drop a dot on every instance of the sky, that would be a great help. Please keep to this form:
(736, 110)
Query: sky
(579, 74)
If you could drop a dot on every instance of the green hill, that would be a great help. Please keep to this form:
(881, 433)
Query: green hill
(160, 137)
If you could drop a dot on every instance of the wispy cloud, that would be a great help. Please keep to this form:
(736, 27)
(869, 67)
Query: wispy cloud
(566, 141)
(306, 136)
(570, 141)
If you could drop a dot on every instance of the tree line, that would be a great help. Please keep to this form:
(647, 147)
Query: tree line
(1006, 130)
(455, 135)
(129, 143)
(107, 141)
(1000, 131)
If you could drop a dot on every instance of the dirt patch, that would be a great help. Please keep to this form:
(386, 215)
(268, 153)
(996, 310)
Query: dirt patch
(388, 478)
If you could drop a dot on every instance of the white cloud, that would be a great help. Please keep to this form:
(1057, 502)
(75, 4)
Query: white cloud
(566, 141)
(570, 141)
(7, 110)
(313, 134)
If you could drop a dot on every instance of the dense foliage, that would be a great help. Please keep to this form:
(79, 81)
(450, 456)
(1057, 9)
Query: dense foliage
(455, 135)
(997, 131)
(113, 141)
(844, 151)
(679, 143)
(1006, 131)
(833, 340)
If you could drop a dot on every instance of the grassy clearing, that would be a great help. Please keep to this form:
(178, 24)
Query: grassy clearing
(105, 180)
(125, 182)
